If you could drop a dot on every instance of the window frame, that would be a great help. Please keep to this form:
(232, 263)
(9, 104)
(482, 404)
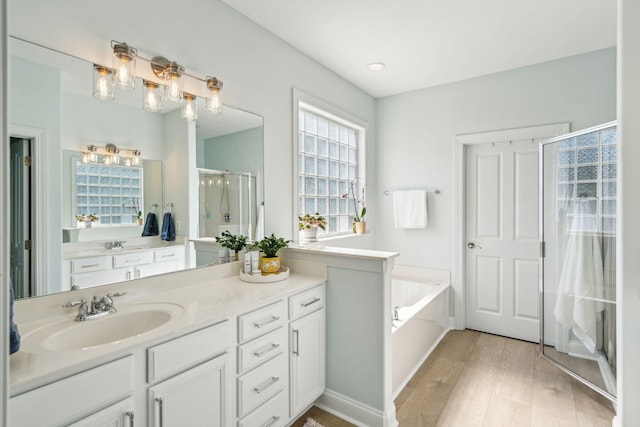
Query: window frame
(303, 101)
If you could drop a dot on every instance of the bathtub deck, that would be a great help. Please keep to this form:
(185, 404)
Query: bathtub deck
(477, 379)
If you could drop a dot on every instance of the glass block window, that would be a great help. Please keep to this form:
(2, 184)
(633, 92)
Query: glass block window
(114, 193)
(587, 172)
(328, 153)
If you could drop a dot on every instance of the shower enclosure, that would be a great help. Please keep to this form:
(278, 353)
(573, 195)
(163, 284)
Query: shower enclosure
(578, 230)
(227, 203)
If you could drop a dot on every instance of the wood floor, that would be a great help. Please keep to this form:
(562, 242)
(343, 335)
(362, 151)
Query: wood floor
(477, 379)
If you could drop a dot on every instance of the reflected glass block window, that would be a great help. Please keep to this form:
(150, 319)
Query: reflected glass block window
(587, 171)
(112, 192)
(327, 165)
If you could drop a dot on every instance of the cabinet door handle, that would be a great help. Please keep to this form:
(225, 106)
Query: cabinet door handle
(266, 385)
(160, 402)
(129, 414)
(307, 304)
(296, 348)
(266, 350)
(167, 255)
(272, 421)
(266, 322)
(128, 275)
(90, 265)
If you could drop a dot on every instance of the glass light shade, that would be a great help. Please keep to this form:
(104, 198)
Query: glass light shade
(173, 78)
(151, 99)
(124, 65)
(102, 84)
(190, 108)
(214, 101)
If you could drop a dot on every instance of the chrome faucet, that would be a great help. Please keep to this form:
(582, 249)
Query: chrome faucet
(99, 307)
(116, 244)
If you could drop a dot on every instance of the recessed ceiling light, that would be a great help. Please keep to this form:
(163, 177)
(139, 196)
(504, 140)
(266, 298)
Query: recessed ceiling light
(376, 66)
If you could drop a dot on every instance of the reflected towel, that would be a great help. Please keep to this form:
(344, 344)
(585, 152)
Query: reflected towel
(260, 224)
(410, 208)
(14, 335)
(150, 225)
(168, 228)
(580, 289)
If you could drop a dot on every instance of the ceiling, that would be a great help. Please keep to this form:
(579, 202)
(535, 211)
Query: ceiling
(433, 42)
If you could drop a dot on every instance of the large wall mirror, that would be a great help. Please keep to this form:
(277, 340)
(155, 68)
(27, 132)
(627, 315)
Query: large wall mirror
(53, 118)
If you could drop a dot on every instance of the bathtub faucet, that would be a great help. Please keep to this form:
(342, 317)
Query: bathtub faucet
(395, 313)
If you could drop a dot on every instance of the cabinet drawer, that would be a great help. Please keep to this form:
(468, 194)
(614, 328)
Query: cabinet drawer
(261, 321)
(168, 254)
(274, 413)
(306, 302)
(133, 258)
(105, 277)
(261, 349)
(186, 351)
(66, 400)
(85, 265)
(259, 385)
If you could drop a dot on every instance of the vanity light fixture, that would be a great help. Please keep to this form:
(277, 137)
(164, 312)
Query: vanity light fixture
(124, 64)
(190, 108)
(172, 74)
(151, 99)
(111, 155)
(214, 102)
(102, 84)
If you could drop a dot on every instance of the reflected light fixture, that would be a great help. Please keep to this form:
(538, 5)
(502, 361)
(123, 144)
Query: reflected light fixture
(190, 108)
(151, 99)
(102, 85)
(214, 102)
(124, 65)
(111, 155)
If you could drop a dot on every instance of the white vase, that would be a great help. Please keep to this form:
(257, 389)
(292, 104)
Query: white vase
(310, 234)
(88, 224)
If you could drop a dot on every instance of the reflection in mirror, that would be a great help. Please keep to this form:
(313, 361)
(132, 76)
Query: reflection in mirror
(53, 117)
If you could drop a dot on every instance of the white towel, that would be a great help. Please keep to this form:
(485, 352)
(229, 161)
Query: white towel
(580, 289)
(260, 224)
(410, 208)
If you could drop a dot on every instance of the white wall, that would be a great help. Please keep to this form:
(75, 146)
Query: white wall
(416, 134)
(258, 69)
(628, 267)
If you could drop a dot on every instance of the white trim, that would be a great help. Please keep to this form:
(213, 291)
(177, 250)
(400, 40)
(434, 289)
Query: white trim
(39, 261)
(4, 214)
(461, 143)
(323, 108)
(355, 412)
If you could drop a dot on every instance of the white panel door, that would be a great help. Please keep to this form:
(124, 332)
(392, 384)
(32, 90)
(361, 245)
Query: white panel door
(502, 255)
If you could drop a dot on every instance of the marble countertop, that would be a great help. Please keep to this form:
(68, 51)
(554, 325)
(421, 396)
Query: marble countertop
(208, 295)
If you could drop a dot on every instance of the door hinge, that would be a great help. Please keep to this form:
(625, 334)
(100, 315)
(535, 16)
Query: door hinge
(27, 160)
(542, 249)
(27, 245)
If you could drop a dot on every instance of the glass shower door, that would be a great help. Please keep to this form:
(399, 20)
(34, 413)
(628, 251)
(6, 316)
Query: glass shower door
(578, 226)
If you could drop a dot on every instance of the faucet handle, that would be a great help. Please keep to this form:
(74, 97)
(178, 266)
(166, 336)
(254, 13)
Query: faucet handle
(117, 294)
(74, 303)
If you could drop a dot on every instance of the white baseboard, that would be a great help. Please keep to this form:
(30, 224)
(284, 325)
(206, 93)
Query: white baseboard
(356, 413)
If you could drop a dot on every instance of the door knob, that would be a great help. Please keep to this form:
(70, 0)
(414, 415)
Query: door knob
(472, 245)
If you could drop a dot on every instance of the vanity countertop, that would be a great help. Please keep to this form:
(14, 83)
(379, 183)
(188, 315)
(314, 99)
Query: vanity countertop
(207, 296)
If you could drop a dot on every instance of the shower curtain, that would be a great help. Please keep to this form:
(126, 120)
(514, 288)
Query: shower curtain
(580, 304)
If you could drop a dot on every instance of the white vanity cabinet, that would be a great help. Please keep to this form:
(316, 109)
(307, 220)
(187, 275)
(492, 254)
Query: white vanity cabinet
(119, 414)
(194, 371)
(80, 397)
(307, 349)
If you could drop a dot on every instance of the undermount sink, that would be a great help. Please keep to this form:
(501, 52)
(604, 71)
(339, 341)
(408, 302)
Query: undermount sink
(132, 321)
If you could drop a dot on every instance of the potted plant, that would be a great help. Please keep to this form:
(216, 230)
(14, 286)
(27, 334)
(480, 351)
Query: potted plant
(87, 219)
(139, 217)
(309, 225)
(230, 241)
(270, 262)
(359, 224)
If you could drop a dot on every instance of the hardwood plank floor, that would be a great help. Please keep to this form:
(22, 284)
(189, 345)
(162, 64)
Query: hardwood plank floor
(478, 379)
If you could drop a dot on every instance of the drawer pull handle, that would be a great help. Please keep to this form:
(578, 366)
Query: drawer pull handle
(133, 260)
(313, 301)
(266, 385)
(167, 255)
(296, 349)
(129, 414)
(266, 322)
(267, 350)
(90, 265)
(272, 421)
(160, 402)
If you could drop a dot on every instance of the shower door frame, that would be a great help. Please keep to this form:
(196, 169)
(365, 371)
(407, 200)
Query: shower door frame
(541, 205)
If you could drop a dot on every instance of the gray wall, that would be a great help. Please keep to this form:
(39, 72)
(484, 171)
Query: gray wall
(416, 132)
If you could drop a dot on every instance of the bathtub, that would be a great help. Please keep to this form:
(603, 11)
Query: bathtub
(420, 298)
